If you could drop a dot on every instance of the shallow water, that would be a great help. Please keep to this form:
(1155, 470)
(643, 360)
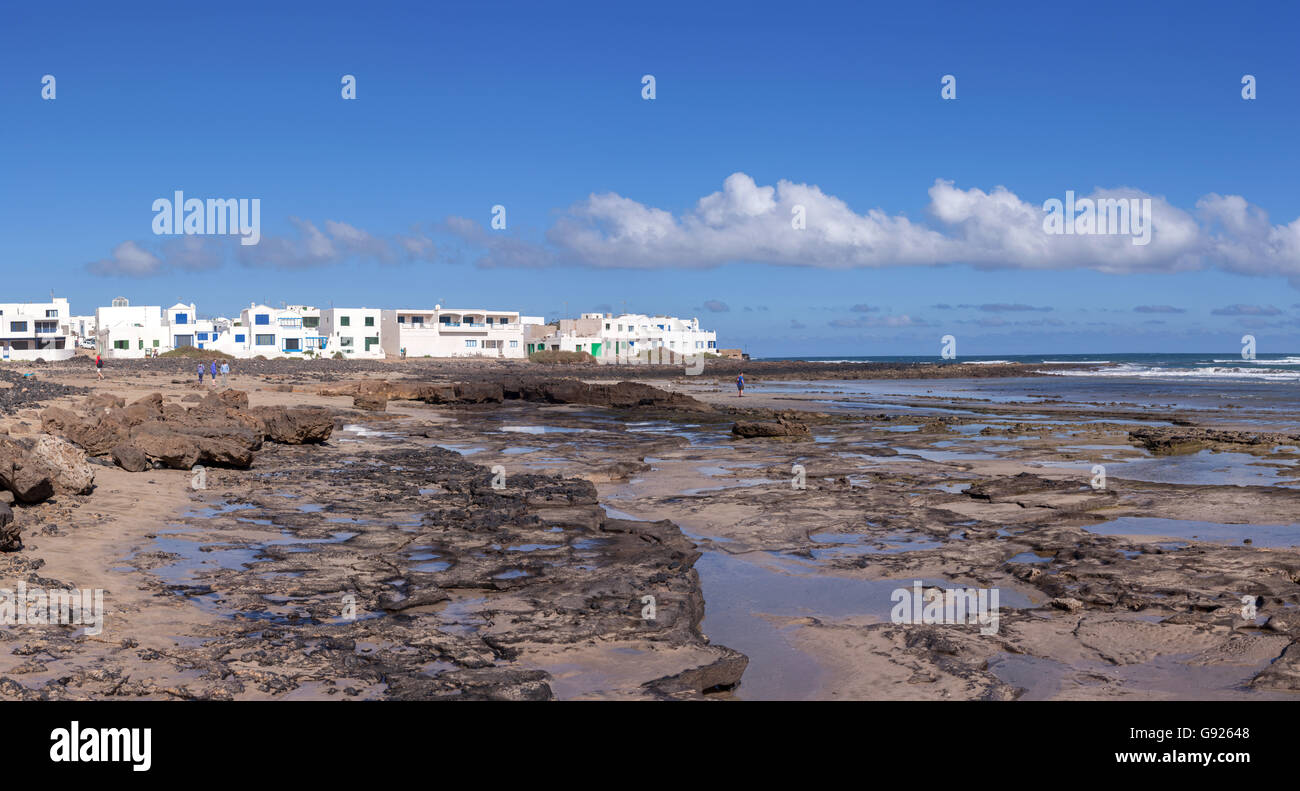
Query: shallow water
(1213, 532)
(1205, 467)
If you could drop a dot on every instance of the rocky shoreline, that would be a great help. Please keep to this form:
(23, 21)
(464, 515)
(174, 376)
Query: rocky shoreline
(523, 536)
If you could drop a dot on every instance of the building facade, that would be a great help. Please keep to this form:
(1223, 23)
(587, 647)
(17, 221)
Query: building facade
(131, 331)
(36, 330)
(356, 333)
(629, 338)
(264, 331)
(446, 332)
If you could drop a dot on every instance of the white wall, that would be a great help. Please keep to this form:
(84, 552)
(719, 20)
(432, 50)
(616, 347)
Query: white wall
(139, 327)
(348, 329)
(443, 332)
(32, 330)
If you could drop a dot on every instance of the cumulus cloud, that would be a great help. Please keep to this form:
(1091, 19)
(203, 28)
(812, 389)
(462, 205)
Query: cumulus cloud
(715, 306)
(128, 259)
(746, 222)
(312, 247)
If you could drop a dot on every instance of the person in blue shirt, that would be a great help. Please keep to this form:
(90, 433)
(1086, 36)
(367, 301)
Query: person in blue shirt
(200, 374)
(213, 371)
(740, 384)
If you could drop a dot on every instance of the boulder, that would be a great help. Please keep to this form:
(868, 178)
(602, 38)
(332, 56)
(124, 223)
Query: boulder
(371, 402)
(130, 458)
(234, 399)
(479, 392)
(69, 471)
(96, 402)
(165, 446)
(98, 435)
(10, 534)
(29, 482)
(785, 428)
(55, 420)
(296, 425)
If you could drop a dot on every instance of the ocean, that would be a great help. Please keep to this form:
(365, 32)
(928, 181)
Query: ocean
(1208, 366)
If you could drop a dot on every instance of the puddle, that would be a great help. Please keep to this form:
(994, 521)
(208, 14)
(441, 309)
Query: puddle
(1031, 557)
(1205, 467)
(1213, 532)
(463, 450)
(548, 430)
(217, 510)
(195, 560)
(738, 593)
(737, 483)
(948, 455)
(848, 545)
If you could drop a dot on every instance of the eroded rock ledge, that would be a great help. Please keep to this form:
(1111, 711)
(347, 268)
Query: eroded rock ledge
(221, 429)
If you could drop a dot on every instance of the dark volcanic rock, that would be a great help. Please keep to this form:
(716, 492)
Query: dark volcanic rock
(621, 395)
(130, 458)
(294, 425)
(1176, 440)
(219, 430)
(10, 534)
(778, 428)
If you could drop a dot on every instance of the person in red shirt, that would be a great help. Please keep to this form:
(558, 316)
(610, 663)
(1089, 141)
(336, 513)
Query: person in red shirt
(99, 366)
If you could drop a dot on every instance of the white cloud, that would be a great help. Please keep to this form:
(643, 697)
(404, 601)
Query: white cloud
(312, 247)
(128, 259)
(748, 222)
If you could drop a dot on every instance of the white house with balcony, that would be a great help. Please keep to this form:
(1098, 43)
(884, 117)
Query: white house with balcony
(358, 333)
(463, 332)
(131, 331)
(32, 330)
(289, 331)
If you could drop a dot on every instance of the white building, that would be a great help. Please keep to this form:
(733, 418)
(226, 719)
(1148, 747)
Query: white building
(32, 330)
(630, 337)
(356, 332)
(126, 331)
(290, 331)
(82, 329)
(446, 332)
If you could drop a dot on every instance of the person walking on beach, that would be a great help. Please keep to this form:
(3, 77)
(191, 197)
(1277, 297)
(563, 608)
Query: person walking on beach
(225, 375)
(99, 366)
(740, 384)
(200, 374)
(214, 373)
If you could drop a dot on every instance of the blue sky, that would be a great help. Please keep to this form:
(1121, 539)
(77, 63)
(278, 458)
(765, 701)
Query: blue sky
(385, 201)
